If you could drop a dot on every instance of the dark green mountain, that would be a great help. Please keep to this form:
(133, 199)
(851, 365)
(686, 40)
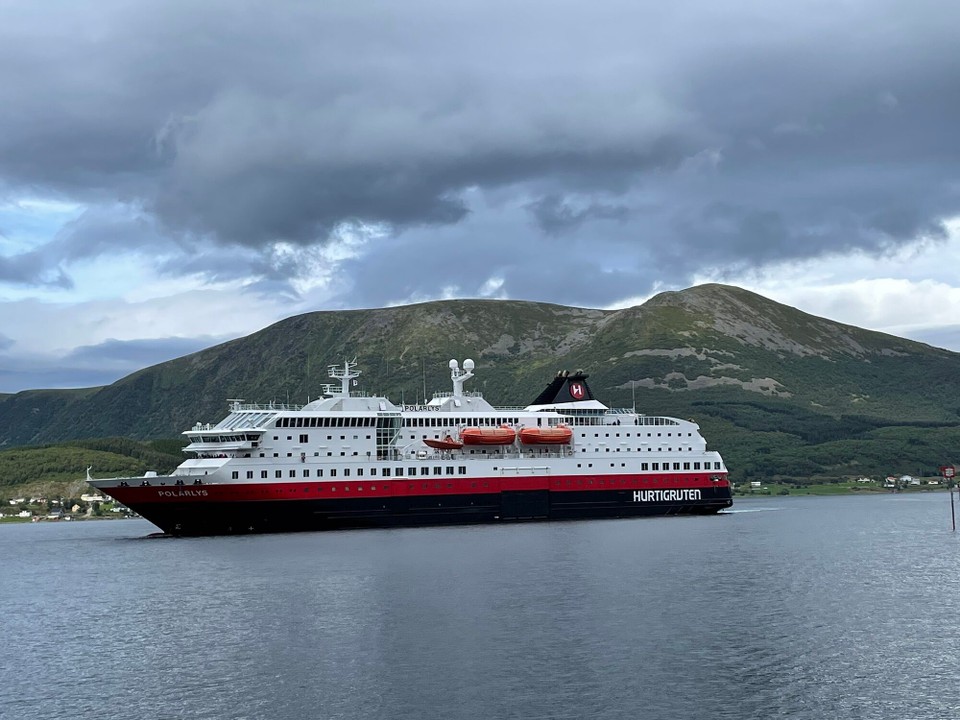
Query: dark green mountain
(777, 391)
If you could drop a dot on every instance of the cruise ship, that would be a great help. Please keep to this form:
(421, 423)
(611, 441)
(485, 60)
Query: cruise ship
(353, 460)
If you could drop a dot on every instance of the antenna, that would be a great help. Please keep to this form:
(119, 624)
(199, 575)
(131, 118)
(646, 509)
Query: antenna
(460, 376)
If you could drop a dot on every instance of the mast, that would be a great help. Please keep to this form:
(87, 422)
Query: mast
(345, 374)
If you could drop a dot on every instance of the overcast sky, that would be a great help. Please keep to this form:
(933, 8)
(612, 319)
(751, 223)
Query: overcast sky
(175, 174)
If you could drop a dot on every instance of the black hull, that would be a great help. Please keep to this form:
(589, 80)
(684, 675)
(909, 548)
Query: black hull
(191, 518)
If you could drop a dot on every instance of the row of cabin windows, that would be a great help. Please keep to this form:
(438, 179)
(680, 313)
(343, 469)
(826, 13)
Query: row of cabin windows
(285, 422)
(425, 470)
(305, 439)
(596, 435)
(656, 466)
(297, 422)
(649, 449)
(385, 472)
(326, 422)
(455, 422)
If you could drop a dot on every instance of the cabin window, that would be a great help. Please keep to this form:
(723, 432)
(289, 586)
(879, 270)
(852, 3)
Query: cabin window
(438, 471)
(333, 473)
(643, 466)
(293, 473)
(449, 470)
(359, 472)
(278, 473)
(696, 466)
(461, 470)
(249, 474)
(386, 472)
(424, 470)
(411, 471)
(235, 475)
(655, 466)
(346, 472)
(676, 466)
(686, 466)
(263, 474)
(306, 472)
(304, 439)
(373, 471)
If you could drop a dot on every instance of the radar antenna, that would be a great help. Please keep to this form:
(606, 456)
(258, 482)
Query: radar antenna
(460, 376)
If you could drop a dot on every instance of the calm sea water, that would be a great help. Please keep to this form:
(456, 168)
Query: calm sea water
(785, 608)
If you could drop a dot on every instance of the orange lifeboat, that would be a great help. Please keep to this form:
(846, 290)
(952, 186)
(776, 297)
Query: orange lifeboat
(559, 435)
(448, 443)
(503, 435)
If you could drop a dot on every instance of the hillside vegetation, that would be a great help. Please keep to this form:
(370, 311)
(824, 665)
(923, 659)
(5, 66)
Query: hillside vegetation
(781, 394)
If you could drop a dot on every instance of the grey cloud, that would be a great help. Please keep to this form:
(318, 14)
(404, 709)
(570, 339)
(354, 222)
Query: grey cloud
(135, 353)
(555, 214)
(94, 365)
(34, 268)
(714, 136)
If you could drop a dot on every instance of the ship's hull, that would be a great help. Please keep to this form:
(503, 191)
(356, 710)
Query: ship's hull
(219, 510)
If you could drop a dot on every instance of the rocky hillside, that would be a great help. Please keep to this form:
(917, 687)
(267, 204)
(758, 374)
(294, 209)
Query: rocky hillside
(776, 390)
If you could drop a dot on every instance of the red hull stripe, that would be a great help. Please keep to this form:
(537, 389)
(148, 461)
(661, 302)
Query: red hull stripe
(238, 491)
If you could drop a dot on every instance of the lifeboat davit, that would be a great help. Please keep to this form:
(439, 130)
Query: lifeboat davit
(448, 443)
(503, 435)
(559, 435)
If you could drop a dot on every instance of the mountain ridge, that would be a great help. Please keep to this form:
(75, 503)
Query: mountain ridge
(738, 361)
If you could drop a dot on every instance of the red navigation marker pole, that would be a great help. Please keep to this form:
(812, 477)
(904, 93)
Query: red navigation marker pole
(948, 471)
